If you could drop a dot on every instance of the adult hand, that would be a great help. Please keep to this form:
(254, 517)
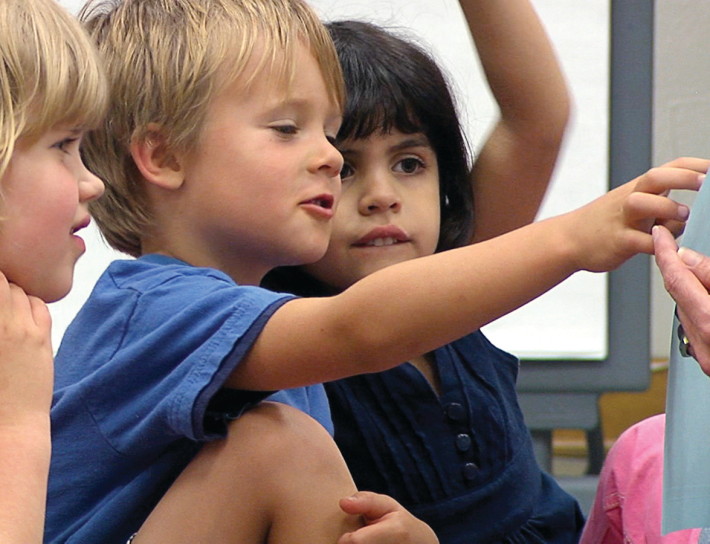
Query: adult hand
(686, 276)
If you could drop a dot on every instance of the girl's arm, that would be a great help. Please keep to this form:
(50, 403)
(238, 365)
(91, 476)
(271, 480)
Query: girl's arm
(413, 307)
(514, 166)
(26, 375)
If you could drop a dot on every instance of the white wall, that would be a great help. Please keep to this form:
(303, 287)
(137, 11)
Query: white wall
(681, 112)
(580, 33)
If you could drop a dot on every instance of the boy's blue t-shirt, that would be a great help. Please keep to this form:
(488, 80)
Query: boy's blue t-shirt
(138, 389)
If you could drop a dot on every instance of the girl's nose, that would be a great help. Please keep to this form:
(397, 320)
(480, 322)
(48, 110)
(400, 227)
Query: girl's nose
(379, 196)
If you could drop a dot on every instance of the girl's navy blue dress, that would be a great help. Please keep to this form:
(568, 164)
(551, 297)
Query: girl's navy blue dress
(462, 460)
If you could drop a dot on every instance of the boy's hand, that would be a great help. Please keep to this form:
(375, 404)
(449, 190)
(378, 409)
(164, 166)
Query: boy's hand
(386, 522)
(26, 361)
(617, 225)
(686, 276)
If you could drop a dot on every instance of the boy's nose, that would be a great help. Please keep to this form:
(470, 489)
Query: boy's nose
(90, 186)
(330, 161)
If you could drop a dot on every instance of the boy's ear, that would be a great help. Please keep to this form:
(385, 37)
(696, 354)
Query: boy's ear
(155, 161)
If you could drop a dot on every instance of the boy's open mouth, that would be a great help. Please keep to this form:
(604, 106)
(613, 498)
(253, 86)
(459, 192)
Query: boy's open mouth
(322, 201)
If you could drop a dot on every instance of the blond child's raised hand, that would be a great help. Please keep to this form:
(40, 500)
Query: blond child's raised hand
(617, 225)
(386, 522)
(26, 369)
(26, 375)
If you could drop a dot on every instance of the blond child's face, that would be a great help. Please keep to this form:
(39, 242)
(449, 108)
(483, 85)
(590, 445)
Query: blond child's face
(389, 209)
(262, 184)
(45, 192)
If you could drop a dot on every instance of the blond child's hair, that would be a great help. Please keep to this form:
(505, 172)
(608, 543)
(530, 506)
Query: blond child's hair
(165, 61)
(50, 73)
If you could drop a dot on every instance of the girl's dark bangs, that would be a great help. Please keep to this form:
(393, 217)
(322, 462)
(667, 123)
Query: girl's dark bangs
(371, 112)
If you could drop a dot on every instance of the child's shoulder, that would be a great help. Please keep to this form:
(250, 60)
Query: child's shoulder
(161, 278)
(137, 301)
(152, 271)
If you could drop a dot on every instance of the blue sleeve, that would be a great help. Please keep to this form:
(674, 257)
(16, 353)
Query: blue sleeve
(146, 359)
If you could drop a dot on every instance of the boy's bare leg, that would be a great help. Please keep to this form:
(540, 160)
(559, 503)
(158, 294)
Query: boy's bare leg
(277, 478)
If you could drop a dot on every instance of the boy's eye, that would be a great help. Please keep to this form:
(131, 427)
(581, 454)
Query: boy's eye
(65, 145)
(409, 165)
(288, 130)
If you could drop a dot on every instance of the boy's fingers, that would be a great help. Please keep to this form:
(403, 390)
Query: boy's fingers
(662, 179)
(641, 206)
(691, 163)
(675, 227)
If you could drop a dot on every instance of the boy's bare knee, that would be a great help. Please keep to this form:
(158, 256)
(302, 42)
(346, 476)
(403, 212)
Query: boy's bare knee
(281, 437)
(268, 417)
(276, 453)
(276, 466)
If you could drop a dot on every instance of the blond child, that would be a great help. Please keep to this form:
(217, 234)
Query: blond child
(220, 166)
(51, 89)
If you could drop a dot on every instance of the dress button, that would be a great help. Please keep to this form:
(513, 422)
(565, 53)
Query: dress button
(463, 442)
(455, 411)
(470, 471)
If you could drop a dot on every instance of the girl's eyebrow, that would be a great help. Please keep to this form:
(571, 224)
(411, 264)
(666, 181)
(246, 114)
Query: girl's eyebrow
(414, 141)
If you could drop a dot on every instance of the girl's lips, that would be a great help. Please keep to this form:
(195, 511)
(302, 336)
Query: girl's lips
(383, 236)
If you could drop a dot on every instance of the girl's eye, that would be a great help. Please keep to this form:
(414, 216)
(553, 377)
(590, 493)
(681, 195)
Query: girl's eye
(409, 165)
(346, 171)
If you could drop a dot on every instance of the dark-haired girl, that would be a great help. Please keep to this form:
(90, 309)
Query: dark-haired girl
(443, 433)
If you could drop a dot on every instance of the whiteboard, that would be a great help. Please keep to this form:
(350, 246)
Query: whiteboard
(569, 322)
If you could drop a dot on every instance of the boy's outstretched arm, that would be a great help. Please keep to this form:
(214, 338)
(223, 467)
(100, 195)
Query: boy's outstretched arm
(386, 522)
(26, 376)
(513, 168)
(686, 276)
(413, 307)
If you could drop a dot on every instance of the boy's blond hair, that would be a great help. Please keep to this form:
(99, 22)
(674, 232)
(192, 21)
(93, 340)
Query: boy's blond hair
(50, 74)
(165, 61)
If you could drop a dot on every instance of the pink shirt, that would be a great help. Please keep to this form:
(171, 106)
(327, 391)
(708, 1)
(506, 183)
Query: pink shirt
(627, 506)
